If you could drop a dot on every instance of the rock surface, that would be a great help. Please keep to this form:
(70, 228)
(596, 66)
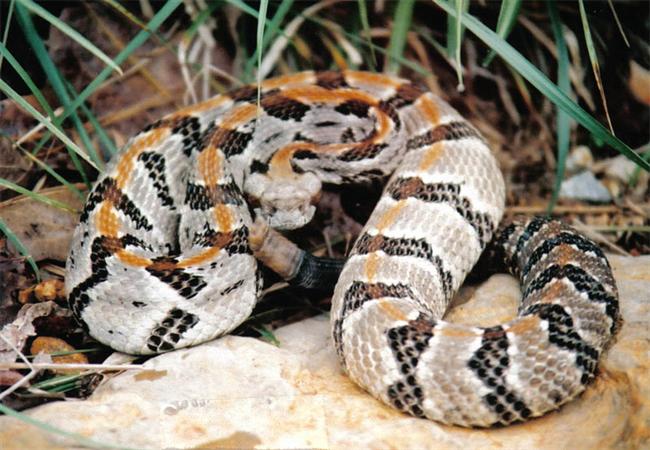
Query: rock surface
(585, 186)
(240, 392)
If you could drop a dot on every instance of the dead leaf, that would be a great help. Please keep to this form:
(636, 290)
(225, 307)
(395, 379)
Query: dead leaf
(15, 334)
(50, 345)
(46, 231)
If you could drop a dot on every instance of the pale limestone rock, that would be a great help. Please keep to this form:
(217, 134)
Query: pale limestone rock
(242, 393)
(585, 186)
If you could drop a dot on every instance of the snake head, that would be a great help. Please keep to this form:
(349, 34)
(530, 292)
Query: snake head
(286, 202)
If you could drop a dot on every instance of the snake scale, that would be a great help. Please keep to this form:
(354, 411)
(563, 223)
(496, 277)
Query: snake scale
(165, 255)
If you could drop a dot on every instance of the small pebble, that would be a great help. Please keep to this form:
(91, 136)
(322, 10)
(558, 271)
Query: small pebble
(49, 290)
(579, 158)
(585, 186)
(50, 345)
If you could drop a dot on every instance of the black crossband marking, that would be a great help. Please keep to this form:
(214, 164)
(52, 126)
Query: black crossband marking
(490, 363)
(359, 293)
(582, 282)
(101, 249)
(199, 197)
(407, 344)
(531, 229)
(451, 131)
(564, 238)
(183, 282)
(169, 331)
(448, 193)
(417, 248)
(156, 168)
(562, 333)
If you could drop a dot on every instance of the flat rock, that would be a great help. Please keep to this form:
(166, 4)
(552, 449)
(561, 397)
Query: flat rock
(585, 186)
(238, 392)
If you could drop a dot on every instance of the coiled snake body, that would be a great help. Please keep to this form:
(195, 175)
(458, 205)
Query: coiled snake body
(165, 253)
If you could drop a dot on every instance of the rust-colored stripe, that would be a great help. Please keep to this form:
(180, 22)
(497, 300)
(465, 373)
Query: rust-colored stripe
(289, 80)
(106, 221)
(389, 217)
(131, 259)
(224, 217)
(524, 325)
(317, 94)
(209, 165)
(355, 77)
(127, 160)
(280, 164)
(383, 126)
(566, 254)
(431, 155)
(200, 258)
(391, 310)
(429, 110)
(552, 292)
(239, 116)
(456, 331)
(370, 267)
(201, 107)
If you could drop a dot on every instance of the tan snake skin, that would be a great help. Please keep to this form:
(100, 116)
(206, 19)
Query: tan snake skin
(163, 256)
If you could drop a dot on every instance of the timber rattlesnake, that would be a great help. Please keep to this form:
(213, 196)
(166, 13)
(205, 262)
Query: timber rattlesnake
(165, 254)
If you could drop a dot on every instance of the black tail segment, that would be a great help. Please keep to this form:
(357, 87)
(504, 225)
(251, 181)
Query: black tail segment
(317, 273)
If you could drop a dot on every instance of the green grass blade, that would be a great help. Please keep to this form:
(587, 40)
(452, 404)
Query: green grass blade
(543, 84)
(73, 34)
(101, 133)
(13, 239)
(267, 335)
(200, 19)
(67, 352)
(55, 381)
(71, 187)
(261, 21)
(139, 39)
(365, 24)
(618, 23)
(34, 39)
(645, 151)
(35, 195)
(563, 119)
(401, 26)
(244, 7)
(5, 54)
(5, 34)
(593, 57)
(506, 21)
(358, 39)
(168, 8)
(272, 30)
(455, 31)
(9, 92)
(56, 81)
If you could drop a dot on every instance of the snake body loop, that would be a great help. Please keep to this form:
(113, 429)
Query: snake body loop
(165, 253)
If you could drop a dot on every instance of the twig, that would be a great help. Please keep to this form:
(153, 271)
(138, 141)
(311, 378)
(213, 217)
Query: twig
(26, 365)
(55, 366)
(281, 42)
(591, 233)
(578, 209)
